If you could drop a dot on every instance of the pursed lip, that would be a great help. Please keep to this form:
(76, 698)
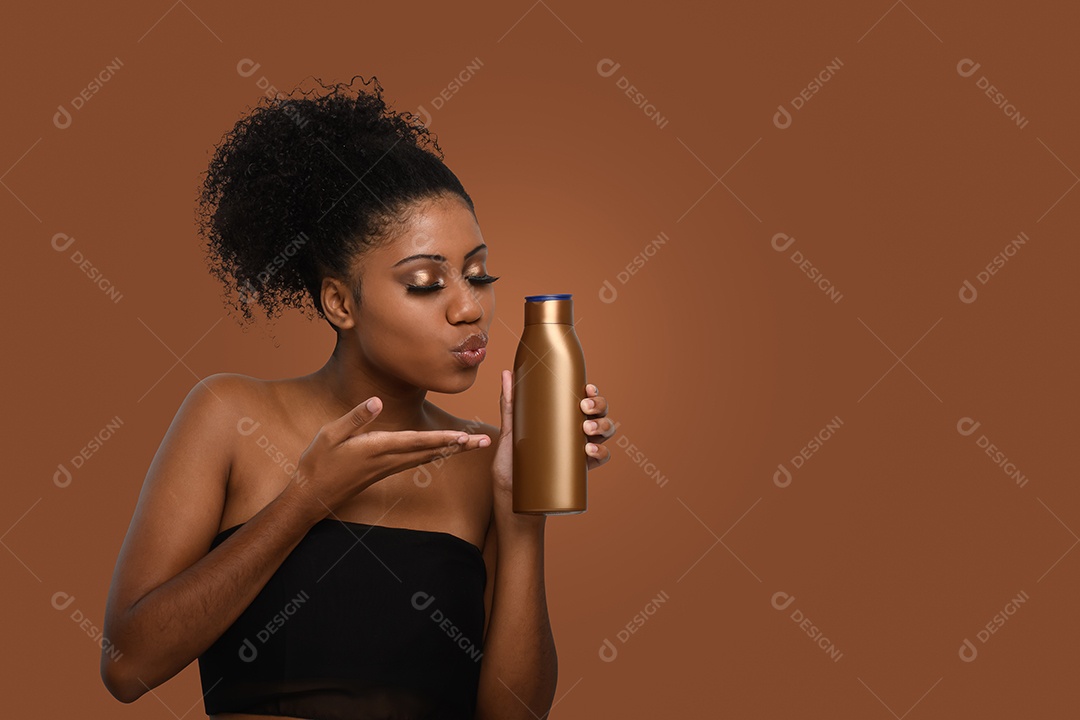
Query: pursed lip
(473, 342)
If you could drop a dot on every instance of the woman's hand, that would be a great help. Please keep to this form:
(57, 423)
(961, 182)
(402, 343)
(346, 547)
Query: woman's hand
(597, 427)
(344, 459)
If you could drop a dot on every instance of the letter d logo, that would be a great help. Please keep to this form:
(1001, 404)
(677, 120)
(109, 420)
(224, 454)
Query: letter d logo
(247, 425)
(968, 651)
(607, 67)
(608, 293)
(781, 118)
(61, 600)
(968, 423)
(62, 118)
(781, 477)
(422, 477)
(248, 651)
(784, 237)
(62, 476)
(419, 602)
(247, 67)
(63, 238)
(781, 600)
(425, 116)
(967, 67)
(968, 293)
(608, 651)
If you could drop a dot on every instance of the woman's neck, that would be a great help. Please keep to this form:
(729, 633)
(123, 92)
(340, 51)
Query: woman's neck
(346, 380)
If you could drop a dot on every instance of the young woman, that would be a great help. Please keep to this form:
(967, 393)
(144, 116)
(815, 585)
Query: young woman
(335, 545)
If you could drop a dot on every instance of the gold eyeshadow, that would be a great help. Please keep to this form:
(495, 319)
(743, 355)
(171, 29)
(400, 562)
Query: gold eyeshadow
(422, 279)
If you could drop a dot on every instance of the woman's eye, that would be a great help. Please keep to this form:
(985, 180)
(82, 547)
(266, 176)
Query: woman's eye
(422, 288)
(474, 279)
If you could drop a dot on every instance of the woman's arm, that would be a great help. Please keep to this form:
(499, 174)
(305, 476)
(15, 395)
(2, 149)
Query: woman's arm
(164, 631)
(169, 600)
(170, 597)
(519, 669)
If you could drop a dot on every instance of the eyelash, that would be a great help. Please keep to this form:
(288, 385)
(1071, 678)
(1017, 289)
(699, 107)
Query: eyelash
(475, 279)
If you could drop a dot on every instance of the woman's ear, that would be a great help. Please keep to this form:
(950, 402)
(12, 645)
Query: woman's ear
(338, 303)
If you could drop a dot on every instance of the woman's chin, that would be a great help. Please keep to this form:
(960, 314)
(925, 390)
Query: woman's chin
(462, 381)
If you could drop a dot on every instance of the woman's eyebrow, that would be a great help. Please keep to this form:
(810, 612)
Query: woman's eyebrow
(440, 258)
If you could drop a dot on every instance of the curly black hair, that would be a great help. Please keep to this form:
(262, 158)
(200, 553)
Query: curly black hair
(302, 186)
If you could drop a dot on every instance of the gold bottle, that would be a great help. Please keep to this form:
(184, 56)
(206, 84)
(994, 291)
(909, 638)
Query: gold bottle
(550, 464)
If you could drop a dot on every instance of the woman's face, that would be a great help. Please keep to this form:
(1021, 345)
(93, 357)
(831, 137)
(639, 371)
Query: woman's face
(410, 334)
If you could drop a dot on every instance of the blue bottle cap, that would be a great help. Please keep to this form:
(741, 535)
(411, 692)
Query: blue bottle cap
(542, 298)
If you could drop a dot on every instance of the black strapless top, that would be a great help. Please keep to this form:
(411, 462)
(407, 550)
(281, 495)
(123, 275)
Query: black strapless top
(360, 621)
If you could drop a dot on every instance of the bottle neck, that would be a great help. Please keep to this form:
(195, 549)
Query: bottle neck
(550, 311)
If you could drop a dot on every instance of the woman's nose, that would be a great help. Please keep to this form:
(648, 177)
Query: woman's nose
(466, 305)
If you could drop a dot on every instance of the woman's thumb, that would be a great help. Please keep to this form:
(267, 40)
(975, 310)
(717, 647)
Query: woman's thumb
(506, 404)
(348, 423)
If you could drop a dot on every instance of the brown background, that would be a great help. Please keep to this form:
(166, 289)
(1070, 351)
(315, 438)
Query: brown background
(899, 538)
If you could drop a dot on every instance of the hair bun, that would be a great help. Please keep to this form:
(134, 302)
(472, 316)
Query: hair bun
(304, 183)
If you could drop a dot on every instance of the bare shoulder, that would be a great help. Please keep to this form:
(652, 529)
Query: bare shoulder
(223, 387)
(238, 394)
(179, 506)
(221, 409)
(211, 406)
(233, 384)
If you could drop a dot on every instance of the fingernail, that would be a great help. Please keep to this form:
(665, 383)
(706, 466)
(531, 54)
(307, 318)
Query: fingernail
(592, 448)
(370, 405)
(590, 426)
